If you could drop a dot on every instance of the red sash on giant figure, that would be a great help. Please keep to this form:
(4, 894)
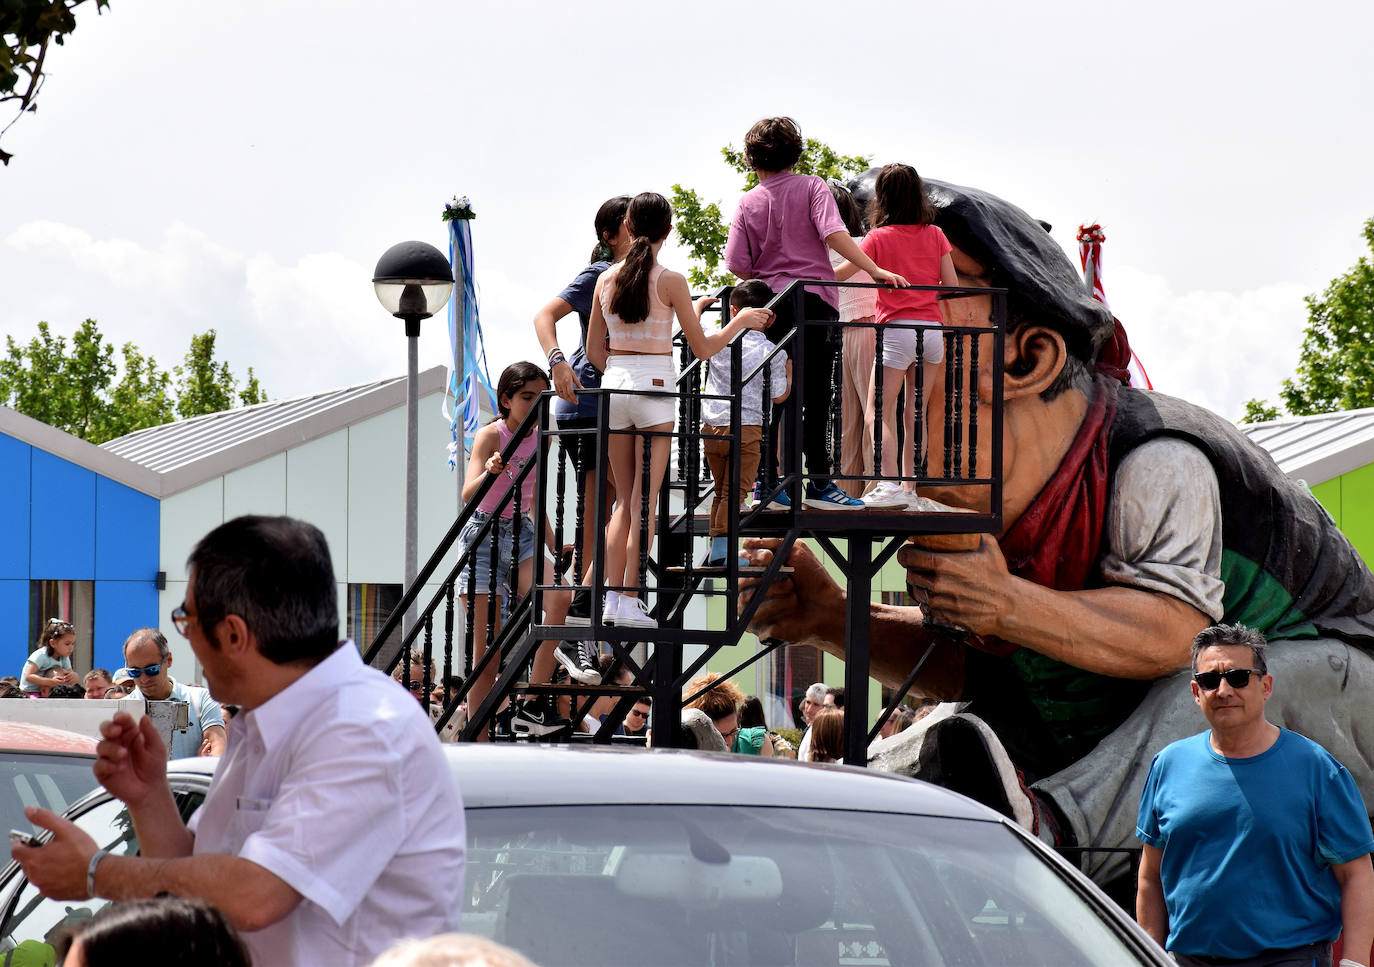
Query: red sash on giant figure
(1056, 542)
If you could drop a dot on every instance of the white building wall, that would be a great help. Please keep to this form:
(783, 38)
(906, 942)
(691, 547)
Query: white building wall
(349, 483)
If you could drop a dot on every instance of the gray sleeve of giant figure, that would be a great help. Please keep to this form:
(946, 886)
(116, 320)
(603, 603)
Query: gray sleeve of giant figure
(1164, 525)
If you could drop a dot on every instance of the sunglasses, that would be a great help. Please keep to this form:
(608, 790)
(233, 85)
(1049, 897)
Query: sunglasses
(150, 670)
(415, 686)
(1236, 678)
(635, 711)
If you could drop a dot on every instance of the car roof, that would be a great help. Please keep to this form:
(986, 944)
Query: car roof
(526, 774)
(28, 737)
(530, 774)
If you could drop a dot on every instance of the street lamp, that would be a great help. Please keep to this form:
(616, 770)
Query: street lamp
(413, 281)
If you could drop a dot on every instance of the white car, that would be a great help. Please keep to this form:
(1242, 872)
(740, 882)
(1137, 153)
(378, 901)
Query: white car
(611, 856)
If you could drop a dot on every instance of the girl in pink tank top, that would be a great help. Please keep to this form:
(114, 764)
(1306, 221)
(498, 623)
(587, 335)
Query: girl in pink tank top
(517, 393)
(630, 339)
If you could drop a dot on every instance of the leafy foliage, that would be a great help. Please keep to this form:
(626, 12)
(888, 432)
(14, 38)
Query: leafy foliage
(1336, 368)
(703, 231)
(28, 27)
(74, 388)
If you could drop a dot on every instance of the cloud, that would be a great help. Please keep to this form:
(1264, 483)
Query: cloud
(1217, 349)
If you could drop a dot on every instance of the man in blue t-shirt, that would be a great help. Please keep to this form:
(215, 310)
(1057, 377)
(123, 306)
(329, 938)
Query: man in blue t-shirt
(150, 664)
(1256, 839)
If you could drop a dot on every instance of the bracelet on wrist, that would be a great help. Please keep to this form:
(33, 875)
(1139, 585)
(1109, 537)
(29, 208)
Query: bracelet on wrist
(96, 857)
(556, 356)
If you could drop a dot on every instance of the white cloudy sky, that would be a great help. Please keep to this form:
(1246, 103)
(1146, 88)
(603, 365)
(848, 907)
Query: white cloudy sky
(241, 165)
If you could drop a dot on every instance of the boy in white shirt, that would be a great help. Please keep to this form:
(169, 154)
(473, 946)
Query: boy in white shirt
(715, 413)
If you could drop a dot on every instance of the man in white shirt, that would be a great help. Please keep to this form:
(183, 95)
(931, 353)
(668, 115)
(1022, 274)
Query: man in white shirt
(333, 826)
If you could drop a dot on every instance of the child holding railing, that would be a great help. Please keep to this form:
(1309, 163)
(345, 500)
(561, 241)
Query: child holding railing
(903, 234)
(517, 393)
(630, 339)
(715, 414)
(782, 232)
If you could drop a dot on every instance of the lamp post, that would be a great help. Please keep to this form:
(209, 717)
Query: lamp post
(413, 281)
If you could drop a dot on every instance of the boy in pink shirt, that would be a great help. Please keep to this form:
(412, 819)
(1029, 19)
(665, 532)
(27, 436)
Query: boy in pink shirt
(782, 231)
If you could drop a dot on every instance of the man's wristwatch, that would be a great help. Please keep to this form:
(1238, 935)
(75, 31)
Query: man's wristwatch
(96, 857)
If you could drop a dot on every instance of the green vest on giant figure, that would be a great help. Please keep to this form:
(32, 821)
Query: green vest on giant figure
(1132, 520)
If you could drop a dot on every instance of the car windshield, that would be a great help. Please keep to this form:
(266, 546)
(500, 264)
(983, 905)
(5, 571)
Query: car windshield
(721, 885)
(41, 779)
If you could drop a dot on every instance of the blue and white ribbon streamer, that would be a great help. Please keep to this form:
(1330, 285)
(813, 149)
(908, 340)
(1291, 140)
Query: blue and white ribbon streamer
(465, 391)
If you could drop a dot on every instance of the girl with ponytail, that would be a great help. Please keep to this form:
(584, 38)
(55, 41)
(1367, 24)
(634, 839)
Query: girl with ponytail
(630, 338)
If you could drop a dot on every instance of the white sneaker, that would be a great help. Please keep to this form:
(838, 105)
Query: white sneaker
(634, 613)
(926, 505)
(886, 496)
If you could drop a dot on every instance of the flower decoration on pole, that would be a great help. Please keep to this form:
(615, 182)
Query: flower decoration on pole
(1090, 237)
(468, 381)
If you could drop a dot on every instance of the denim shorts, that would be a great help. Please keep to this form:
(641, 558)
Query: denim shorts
(481, 559)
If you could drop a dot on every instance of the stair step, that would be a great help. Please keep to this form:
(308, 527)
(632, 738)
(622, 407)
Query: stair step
(722, 571)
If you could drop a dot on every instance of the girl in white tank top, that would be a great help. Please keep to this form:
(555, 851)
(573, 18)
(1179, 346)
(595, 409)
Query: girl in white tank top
(629, 339)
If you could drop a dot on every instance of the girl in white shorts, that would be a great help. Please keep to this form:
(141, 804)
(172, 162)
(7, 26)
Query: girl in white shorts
(630, 339)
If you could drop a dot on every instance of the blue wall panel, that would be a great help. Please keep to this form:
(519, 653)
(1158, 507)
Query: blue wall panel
(62, 543)
(14, 626)
(126, 535)
(14, 508)
(120, 608)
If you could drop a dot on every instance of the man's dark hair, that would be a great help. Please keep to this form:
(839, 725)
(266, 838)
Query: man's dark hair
(751, 294)
(66, 691)
(837, 694)
(773, 144)
(1232, 636)
(276, 574)
(153, 635)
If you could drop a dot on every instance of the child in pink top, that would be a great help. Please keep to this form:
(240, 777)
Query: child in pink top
(517, 392)
(782, 232)
(903, 235)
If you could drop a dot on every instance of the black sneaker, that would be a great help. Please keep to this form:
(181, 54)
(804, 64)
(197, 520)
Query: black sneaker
(580, 612)
(537, 719)
(579, 658)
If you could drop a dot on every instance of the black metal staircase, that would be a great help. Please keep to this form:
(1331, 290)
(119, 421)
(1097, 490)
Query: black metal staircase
(655, 658)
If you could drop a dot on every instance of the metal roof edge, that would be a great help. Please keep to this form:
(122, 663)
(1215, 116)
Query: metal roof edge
(1327, 468)
(312, 427)
(75, 450)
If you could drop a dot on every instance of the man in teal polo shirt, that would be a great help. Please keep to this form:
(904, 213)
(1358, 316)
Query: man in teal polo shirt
(149, 662)
(1256, 839)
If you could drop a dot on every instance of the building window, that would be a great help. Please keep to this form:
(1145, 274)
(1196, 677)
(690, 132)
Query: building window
(71, 601)
(369, 605)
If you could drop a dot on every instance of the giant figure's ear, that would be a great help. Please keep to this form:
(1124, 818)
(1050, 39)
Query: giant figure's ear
(1035, 356)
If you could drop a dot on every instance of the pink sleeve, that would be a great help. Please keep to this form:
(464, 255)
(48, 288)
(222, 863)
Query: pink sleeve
(869, 246)
(824, 213)
(737, 256)
(944, 242)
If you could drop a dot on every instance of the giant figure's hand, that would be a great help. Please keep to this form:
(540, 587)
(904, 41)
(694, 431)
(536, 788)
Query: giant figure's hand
(805, 606)
(969, 588)
(131, 760)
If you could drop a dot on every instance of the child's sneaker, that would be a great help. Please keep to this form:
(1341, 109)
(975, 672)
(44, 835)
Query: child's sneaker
(885, 496)
(634, 613)
(718, 547)
(779, 501)
(579, 658)
(580, 611)
(831, 497)
(535, 718)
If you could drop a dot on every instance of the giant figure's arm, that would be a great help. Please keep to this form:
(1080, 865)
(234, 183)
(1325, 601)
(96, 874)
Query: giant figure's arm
(1357, 907)
(1150, 911)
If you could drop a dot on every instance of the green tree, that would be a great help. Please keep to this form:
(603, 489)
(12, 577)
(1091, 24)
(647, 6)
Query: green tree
(74, 388)
(205, 386)
(703, 231)
(28, 28)
(1336, 366)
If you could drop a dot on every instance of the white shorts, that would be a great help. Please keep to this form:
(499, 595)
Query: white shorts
(899, 344)
(647, 373)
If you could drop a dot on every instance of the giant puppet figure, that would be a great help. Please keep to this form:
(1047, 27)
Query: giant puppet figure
(1132, 520)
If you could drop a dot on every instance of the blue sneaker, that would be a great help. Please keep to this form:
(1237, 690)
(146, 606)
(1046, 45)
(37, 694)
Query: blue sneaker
(831, 497)
(719, 546)
(779, 501)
